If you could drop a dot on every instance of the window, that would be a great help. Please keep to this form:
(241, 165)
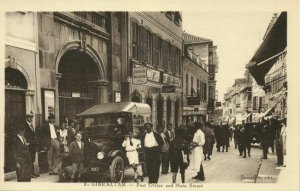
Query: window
(187, 84)
(156, 51)
(134, 33)
(254, 103)
(178, 61)
(177, 18)
(165, 52)
(169, 14)
(204, 91)
(173, 59)
(211, 96)
(149, 47)
(198, 88)
(142, 43)
(192, 85)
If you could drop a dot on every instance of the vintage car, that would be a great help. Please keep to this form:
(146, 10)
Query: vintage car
(104, 127)
(252, 129)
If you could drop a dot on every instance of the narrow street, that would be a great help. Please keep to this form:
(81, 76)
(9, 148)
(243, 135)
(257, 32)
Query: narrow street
(224, 167)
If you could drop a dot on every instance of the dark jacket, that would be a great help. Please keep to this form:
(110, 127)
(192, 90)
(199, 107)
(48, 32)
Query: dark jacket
(178, 145)
(77, 154)
(157, 137)
(31, 136)
(168, 138)
(21, 152)
(46, 131)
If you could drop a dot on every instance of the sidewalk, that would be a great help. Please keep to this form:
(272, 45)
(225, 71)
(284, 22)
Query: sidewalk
(268, 172)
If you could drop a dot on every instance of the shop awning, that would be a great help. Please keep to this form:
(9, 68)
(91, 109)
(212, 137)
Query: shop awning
(129, 107)
(272, 47)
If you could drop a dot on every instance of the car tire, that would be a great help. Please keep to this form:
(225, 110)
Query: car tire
(117, 169)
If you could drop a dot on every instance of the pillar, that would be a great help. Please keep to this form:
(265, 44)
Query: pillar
(172, 117)
(154, 109)
(102, 92)
(165, 112)
(56, 107)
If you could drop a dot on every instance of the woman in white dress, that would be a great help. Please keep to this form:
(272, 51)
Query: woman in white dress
(131, 145)
(197, 156)
(63, 135)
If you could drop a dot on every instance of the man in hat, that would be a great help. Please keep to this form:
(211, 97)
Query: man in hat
(152, 144)
(31, 137)
(23, 160)
(52, 136)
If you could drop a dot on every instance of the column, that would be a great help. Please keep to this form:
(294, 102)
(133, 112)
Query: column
(172, 117)
(165, 111)
(154, 109)
(58, 76)
(103, 92)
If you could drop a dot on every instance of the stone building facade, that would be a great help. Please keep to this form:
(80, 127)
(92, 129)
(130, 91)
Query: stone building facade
(154, 43)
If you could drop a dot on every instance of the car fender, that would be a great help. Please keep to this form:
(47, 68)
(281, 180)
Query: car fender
(114, 153)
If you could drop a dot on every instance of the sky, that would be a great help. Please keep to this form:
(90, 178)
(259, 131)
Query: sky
(237, 36)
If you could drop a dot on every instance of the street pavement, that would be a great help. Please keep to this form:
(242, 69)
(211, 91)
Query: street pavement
(224, 167)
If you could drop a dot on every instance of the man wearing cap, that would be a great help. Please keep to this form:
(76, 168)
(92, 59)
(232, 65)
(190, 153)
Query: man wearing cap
(51, 133)
(31, 137)
(152, 144)
(22, 156)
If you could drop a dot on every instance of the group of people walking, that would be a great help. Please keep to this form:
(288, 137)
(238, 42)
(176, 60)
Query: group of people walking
(51, 139)
(171, 151)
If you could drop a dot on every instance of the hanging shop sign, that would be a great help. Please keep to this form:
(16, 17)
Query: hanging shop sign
(193, 100)
(168, 79)
(168, 89)
(153, 75)
(139, 75)
(177, 81)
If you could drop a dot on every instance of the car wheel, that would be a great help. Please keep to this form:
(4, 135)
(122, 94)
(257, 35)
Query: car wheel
(117, 169)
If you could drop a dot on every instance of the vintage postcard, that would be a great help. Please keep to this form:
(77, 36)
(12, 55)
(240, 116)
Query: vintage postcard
(185, 95)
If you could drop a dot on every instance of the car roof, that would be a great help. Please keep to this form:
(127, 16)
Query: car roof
(107, 108)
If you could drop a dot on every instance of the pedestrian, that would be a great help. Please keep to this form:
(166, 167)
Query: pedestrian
(239, 139)
(209, 141)
(131, 145)
(197, 144)
(22, 156)
(279, 130)
(218, 137)
(266, 138)
(152, 144)
(52, 136)
(179, 155)
(235, 136)
(77, 156)
(31, 137)
(242, 142)
(63, 136)
(248, 139)
(164, 151)
(169, 136)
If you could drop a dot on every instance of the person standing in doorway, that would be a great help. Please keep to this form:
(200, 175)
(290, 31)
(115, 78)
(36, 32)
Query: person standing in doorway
(197, 144)
(31, 137)
(52, 135)
(22, 156)
(152, 144)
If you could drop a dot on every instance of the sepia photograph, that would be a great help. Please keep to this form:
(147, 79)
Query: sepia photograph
(157, 99)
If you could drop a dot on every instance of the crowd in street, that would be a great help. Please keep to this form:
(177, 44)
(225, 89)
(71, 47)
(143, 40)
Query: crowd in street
(167, 149)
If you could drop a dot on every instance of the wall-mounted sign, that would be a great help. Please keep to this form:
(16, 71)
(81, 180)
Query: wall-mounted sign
(177, 81)
(75, 94)
(168, 89)
(193, 100)
(117, 96)
(139, 75)
(153, 75)
(218, 104)
(168, 79)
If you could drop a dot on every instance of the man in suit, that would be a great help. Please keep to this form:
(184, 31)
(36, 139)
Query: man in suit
(169, 136)
(152, 144)
(52, 136)
(31, 137)
(23, 160)
(77, 156)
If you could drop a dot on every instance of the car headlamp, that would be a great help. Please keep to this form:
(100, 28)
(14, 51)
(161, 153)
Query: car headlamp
(100, 155)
